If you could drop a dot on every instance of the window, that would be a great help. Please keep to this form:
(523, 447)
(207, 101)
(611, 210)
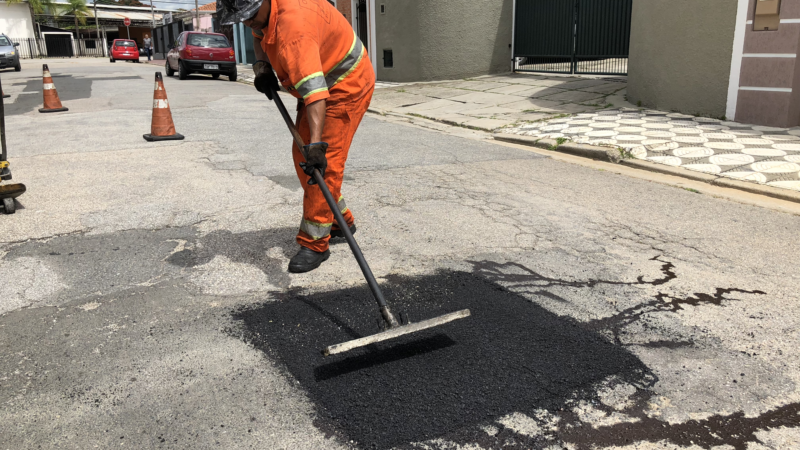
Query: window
(4, 41)
(208, 41)
(126, 44)
(388, 60)
(383, 8)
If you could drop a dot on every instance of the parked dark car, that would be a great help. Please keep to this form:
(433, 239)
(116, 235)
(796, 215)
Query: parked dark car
(196, 52)
(9, 55)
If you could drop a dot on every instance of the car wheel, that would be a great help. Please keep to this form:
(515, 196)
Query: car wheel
(215, 76)
(18, 67)
(9, 205)
(169, 70)
(182, 71)
(233, 75)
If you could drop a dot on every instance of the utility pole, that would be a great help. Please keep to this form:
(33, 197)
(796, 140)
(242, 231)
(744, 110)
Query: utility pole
(197, 15)
(152, 15)
(97, 26)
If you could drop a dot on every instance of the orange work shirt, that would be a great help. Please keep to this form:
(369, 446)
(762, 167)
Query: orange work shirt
(315, 52)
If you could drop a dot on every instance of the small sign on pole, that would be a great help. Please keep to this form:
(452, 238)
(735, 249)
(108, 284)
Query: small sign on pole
(127, 23)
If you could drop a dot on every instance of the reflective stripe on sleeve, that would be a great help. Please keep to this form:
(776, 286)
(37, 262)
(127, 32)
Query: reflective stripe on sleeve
(347, 64)
(311, 84)
(314, 229)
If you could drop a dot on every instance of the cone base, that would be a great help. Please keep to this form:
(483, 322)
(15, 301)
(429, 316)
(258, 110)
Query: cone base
(6, 95)
(42, 110)
(172, 137)
(12, 190)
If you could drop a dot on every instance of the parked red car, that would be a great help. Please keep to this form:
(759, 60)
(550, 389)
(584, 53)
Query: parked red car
(196, 52)
(124, 50)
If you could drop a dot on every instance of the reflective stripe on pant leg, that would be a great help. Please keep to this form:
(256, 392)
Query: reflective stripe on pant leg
(315, 230)
(341, 204)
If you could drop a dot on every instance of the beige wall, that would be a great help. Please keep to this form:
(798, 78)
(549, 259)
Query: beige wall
(443, 39)
(680, 55)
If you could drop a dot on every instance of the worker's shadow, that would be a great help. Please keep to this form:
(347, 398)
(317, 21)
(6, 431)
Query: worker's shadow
(510, 356)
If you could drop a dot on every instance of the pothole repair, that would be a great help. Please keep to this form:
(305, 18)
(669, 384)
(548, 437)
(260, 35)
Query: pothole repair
(510, 356)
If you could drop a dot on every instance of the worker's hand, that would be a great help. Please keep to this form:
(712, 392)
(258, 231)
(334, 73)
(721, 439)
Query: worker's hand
(315, 159)
(265, 78)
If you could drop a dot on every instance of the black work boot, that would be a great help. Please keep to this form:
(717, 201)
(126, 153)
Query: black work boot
(307, 260)
(337, 232)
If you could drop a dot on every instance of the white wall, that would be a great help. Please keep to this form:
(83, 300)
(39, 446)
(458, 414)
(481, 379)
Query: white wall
(15, 20)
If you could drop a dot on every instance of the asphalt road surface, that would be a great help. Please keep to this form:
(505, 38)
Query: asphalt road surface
(145, 302)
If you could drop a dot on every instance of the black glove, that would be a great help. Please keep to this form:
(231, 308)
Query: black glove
(265, 78)
(315, 159)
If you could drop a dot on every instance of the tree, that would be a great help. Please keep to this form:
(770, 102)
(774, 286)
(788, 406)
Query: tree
(130, 3)
(36, 7)
(78, 10)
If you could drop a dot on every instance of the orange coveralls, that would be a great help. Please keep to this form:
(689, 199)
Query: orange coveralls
(317, 55)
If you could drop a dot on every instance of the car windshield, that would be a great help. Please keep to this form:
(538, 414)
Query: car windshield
(208, 41)
(126, 44)
(4, 41)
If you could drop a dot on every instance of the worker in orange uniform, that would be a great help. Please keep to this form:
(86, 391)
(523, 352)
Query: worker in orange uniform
(319, 59)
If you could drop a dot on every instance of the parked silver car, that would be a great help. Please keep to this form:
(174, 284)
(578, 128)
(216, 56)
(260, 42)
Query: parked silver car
(9, 55)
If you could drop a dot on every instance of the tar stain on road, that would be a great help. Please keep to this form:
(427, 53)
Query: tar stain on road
(510, 356)
(248, 247)
(734, 431)
(68, 87)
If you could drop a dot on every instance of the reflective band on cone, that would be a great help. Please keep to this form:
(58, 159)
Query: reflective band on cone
(162, 128)
(51, 102)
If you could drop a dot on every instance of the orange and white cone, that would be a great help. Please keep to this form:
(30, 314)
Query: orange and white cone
(51, 101)
(161, 128)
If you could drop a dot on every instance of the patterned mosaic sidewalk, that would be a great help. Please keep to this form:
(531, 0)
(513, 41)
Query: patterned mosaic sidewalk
(763, 155)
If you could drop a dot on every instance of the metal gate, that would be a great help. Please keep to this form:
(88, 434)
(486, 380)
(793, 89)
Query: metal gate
(361, 19)
(164, 37)
(572, 36)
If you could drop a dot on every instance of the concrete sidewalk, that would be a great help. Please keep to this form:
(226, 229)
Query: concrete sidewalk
(710, 148)
(492, 102)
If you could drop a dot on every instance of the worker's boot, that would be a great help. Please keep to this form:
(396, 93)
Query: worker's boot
(336, 232)
(307, 260)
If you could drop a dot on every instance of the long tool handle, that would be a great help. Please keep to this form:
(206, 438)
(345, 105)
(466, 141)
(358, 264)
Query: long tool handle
(4, 153)
(373, 284)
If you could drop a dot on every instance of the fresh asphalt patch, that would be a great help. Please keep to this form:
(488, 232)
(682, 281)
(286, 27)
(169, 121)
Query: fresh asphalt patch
(68, 87)
(510, 356)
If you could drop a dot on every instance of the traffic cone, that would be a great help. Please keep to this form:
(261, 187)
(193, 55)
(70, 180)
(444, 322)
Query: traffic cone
(51, 101)
(4, 94)
(161, 128)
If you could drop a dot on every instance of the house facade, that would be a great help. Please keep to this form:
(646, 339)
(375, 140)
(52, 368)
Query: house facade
(15, 20)
(423, 40)
(721, 58)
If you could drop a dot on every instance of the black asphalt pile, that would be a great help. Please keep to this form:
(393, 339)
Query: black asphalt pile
(510, 356)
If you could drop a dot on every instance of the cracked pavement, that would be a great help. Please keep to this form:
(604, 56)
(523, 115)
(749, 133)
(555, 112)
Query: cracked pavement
(134, 274)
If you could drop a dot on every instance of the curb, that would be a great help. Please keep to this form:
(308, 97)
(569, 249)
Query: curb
(606, 154)
(587, 151)
(769, 191)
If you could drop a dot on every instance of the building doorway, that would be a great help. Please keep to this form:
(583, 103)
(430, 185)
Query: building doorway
(362, 22)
